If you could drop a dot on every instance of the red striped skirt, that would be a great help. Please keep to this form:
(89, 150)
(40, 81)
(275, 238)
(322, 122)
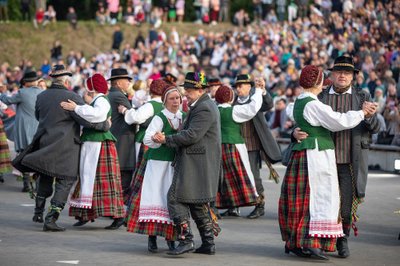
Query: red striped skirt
(142, 150)
(107, 191)
(5, 161)
(236, 189)
(294, 214)
(147, 228)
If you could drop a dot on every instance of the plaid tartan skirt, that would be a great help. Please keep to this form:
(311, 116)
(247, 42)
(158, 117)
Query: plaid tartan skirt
(5, 161)
(107, 191)
(146, 228)
(294, 214)
(142, 150)
(236, 189)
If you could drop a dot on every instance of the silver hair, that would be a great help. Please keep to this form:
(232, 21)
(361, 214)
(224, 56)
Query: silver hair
(61, 79)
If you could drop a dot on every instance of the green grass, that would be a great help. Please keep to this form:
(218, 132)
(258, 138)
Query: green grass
(20, 40)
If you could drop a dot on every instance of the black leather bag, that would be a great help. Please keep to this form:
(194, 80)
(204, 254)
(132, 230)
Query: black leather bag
(287, 154)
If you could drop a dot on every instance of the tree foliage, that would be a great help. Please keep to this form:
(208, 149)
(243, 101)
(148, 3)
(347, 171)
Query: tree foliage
(14, 10)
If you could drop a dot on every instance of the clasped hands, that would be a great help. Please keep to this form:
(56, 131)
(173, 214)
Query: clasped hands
(369, 108)
(260, 83)
(159, 137)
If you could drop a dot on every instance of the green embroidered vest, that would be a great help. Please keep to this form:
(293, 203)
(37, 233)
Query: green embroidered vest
(163, 153)
(157, 107)
(322, 135)
(230, 130)
(90, 134)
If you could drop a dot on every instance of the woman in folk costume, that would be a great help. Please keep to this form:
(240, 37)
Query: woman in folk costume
(5, 161)
(309, 216)
(25, 124)
(99, 191)
(143, 115)
(148, 210)
(238, 185)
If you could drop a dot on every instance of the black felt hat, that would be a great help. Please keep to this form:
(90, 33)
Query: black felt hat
(58, 71)
(119, 73)
(244, 79)
(195, 80)
(214, 82)
(29, 77)
(344, 63)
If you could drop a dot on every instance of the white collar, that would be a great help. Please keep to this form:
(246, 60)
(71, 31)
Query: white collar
(307, 94)
(224, 105)
(156, 99)
(95, 97)
(331, 91)
(194, 103)
(243, 100)
(171, 115)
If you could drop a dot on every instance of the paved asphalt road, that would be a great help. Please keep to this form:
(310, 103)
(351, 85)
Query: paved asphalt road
(242, 241)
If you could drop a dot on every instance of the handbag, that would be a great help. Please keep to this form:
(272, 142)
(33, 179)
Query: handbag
(287, 154)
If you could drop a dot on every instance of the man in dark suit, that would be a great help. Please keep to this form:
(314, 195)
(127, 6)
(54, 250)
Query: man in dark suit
(351, 146)
(124, 133)
(57, 145)
(258, 138)
(197, 167)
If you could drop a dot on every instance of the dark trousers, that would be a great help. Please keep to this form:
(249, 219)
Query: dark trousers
(181, 212)
(126, 179)
(346, 195)
(62, 188)
(255, 160)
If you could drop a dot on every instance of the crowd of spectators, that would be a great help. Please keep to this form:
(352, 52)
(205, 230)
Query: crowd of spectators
(273, 49)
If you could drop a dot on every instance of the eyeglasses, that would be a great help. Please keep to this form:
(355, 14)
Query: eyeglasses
(345, 73)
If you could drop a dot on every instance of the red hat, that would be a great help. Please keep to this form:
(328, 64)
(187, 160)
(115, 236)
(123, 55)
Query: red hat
(157, 87)
(97, 83)
(224, 94)
(310, 76)
(167, 91)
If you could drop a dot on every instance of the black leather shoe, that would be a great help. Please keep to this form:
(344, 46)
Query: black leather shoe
(118, 222)
(171, 244)
(233, 212)
(209, 250)
(80, 223)
(317, 253)
(25, 189)
(152, 244)
(38, 218)
(297, 251)
(183, 247)
(342, 247)
(257, 212)
(53, 227)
